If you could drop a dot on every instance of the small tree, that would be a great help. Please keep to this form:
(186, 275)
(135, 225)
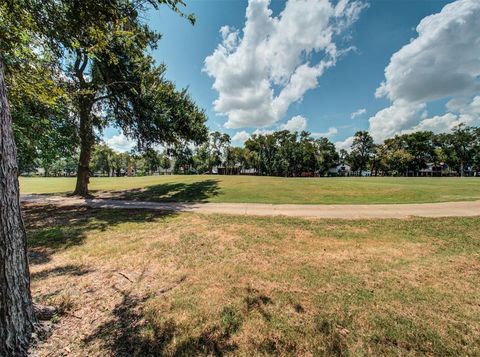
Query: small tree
(420, 145)
(102, 159)
(463, 144)
(183, 159)
(362, 148)
(165, 162)
(326, 155)
(152, 160)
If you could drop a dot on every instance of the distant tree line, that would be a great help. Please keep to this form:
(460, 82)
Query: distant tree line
(291, 154)
(457, 152)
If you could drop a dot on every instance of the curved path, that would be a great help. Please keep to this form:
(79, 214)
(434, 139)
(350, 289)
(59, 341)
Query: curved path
(445, 209)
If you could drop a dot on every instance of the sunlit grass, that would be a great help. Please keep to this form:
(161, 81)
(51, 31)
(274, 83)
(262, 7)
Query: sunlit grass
(215, 188)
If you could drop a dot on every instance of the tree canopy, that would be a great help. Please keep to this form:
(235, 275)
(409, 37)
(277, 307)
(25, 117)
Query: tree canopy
(104, 75)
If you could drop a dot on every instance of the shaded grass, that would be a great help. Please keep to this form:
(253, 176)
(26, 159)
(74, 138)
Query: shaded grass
(146, 284)
(214, 188)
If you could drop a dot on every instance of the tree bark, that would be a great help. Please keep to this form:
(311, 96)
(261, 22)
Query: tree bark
(87, 139)
(16, 311)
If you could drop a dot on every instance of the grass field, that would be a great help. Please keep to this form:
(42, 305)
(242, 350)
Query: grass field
(138, 283)
(268, 189)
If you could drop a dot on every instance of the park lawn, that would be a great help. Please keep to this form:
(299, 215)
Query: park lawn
(139, 283)
(255, 189)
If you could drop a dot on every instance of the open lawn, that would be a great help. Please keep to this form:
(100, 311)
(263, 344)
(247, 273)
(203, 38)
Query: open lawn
(254, 189)
(138, 283)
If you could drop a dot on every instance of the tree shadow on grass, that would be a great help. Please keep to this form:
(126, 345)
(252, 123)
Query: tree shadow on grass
(132, 332)
(69, 269)
(200, 191)
(122, 334)
(51, 228)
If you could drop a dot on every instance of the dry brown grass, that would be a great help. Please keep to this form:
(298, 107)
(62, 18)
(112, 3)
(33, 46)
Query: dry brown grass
(141, 283)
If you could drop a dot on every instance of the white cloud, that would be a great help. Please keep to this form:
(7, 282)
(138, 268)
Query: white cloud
(457, 104)
(437, 124)
(260, 71)
(263, 132)
(345, 144)
(463, 112)
(240, 137)
(330, 132)
(296, 124)
(358, 113)
(442, 62)
(120, 143)
(391, 120)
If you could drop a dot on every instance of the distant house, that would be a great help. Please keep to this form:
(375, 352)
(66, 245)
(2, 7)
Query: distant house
(237, 170)
(340, 170)
(218, 170)
(248, 171)
(433, 169)
(168, 171)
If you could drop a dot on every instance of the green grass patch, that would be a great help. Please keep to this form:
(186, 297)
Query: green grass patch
(246, 189)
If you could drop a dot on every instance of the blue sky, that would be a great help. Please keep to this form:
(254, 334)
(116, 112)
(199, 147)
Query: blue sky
(365, 35)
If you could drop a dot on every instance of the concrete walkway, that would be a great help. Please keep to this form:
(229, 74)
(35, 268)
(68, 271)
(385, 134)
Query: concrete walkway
(447, 209)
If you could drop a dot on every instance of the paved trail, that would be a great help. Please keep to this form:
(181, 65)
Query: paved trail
(446, 209)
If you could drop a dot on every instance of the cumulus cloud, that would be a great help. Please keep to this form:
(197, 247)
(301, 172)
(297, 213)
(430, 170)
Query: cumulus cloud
(345, 144)
(120, 143)
(391, 120)
(330, 132)
(437, 124)
(240, 137)
(358, 113)
(263, 132)
(260, 71)
(296, 124)
(461, 111)
(441, 62)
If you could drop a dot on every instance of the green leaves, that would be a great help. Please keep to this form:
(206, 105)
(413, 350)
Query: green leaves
(291, 154)
(67, 58)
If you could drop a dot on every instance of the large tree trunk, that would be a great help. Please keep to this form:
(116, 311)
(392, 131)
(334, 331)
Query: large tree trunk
(87, 140)
(16, 312)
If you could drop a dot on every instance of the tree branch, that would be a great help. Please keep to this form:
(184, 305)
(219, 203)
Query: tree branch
(85, 62)
(102, 97)
(79, 67)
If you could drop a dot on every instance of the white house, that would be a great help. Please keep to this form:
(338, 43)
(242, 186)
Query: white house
(341, 170)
